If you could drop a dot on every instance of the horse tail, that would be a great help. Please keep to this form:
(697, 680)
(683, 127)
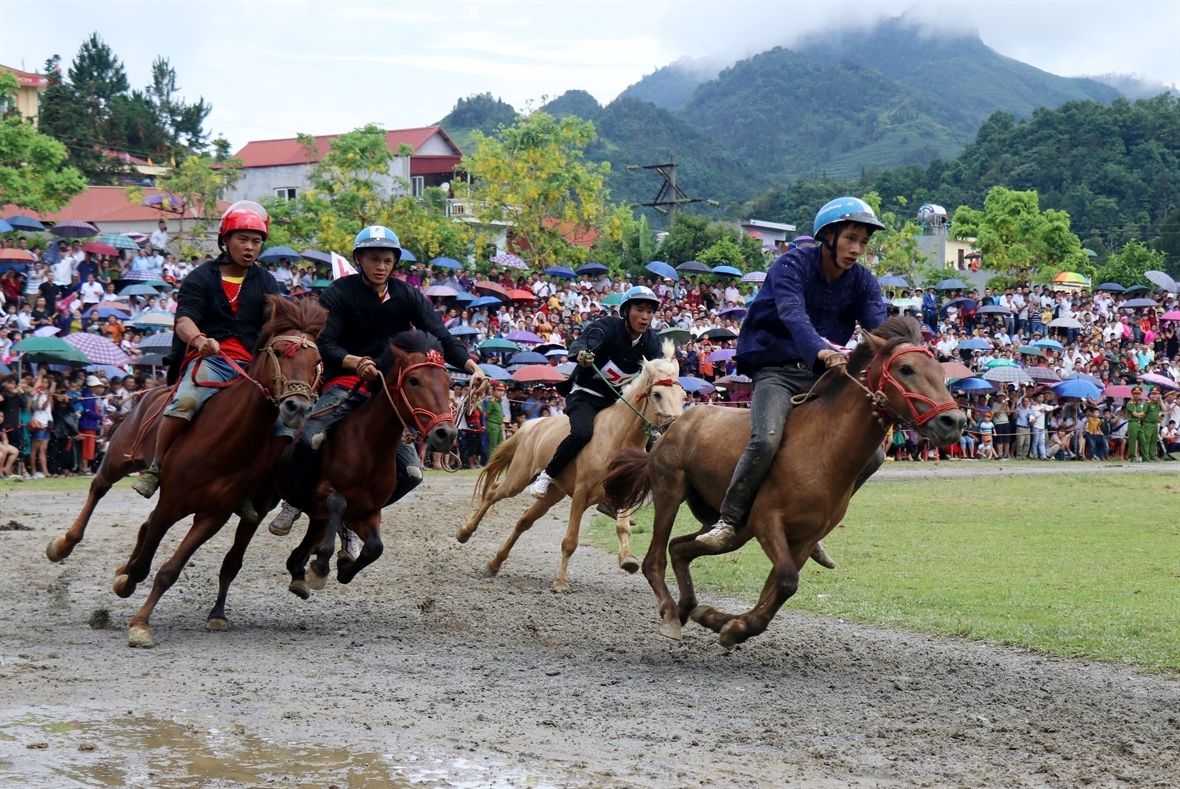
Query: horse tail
(628, 479)
(497, 465)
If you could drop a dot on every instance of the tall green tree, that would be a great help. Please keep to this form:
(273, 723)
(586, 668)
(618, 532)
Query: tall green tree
(895, 248)
(33, 170)
(1128, 265)
(200, 182)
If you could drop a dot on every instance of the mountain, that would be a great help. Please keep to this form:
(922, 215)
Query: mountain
(574, 102)
(482, 112)
(672, 86)
(1134, 87)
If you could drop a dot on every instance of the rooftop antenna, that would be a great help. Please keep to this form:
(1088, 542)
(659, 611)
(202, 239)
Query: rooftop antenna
(670, 196)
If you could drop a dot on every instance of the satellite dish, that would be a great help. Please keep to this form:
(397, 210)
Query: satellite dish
(446, 187)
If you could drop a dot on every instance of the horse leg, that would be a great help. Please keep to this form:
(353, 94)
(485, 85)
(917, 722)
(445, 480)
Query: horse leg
(147, 541)
(230, 567)
(535, 510)
(683, 550)
(321, 566)
(472, 523)
(627, 560)
(297, 561)
(61, 547)
(569, 543)
(369, 530)
(781, 584)
(139, 631)
(655, 565)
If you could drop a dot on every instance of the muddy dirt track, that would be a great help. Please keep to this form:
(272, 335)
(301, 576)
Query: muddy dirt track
(423, 672)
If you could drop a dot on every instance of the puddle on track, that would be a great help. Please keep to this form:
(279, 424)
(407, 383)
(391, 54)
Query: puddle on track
(57, 747)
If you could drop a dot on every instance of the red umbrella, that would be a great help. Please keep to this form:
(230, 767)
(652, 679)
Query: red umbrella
(538, 373)
(956, 370)
(517, 294)
(17, 254)
(99, 248)
(1118, 391)
(487, 286)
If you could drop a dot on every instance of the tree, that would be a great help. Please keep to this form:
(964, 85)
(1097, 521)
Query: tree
(690, 236)
(535, 175)
(1128, 265)
(200, 182)
(895, 247)
(181, 124)
(33, 170)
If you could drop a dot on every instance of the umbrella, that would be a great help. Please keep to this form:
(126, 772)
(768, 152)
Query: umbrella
(278, 254)
(565, 272)
(73, 228)
(677, 336)
(153, 318)
(1134, 304)
(1066, 323)
(727, 271)
(22, 255)
(5, 227)
(321, 283)
(557, 352)
(98, 349)
(498, 344)
(1072, 278)
(1008, 375)
(951, 284)
(1031, 350)
(149, 360)
(1042, 374)
(487, 286)
(139, 289)
(519, 294)
(592, 268)
(26, 223)
(1001, 362)
(893, 281)
(723, 355)
(693, 267)
(1047, 343)
(1161, 381)
(538, 373)
(508, 260)
(407, 256)
(994, 309)
(755, 276)
(692, 384)
(1121, 392)
(1111, 287)
(49, 350)
(962, 303)
(164, 202)
(107, 309)
(523, 336)
(441, 291)
(160, 340)
(463, 331)
(528, 357)
(99, 248)
(464, 296)
(662, 269)
(956, 370)
(315, 256)
(973, 385)
(1162, 280)
(611, 300)
(485, 301)
(1171, 315)
(1136, 290)
(1083, 377)
(973, 344)
(118, 241)
(718, 334)
(735, 381)
(444, 262)
(495, 372)
(46, 331)
(1077, 388)
(566, 368)
(737, 313)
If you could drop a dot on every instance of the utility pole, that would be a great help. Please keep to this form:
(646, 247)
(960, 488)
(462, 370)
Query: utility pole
(670, 195)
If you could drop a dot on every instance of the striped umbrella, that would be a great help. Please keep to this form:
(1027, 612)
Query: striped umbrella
(118, 241)
(1042, 374)
(98, 349)
(1008, 375)
(162, 340)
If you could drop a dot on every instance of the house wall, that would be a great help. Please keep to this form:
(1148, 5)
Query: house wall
(947, 252)
(259, 182)
(435, 146)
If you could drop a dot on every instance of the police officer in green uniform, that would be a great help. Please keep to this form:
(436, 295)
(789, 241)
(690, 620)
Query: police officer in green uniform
(1136, 413)
(1150, 431)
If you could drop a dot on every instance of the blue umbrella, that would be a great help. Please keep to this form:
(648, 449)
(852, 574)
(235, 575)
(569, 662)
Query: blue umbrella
(962, 303)
(592, 268)
(106, 312)
(408, 256)
(1111, 287)
(565, 272)
(26, 223)
(974, 344)
(1047, 343)
(528, 357)
(485, 301)
(464, 296)
(893, 281)
(727, 271)
(315, 256)
(442, 262)
(692, 384)
(139, 290)
(463, 331)
(662, 269)
(1084, 377)
(5, 227)
(951, 284)
(278, 254)
(495, 372)
(1078, 387)
(973, 385)
(693, 267)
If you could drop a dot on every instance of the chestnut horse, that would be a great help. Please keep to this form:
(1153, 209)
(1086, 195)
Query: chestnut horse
(890, 377)
(655, 393)
(216, 463)
(358, 469)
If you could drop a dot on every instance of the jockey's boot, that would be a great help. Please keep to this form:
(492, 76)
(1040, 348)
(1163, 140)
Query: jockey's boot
(148, 481)
(820, 557)
(718, 537)
(540, 487)
(281, 524)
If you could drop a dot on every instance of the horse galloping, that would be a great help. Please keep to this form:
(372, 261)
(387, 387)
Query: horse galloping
(890, 377)
(358, 468)
(655, 393)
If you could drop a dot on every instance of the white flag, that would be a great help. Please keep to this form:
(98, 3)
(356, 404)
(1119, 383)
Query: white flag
(341, 267)
(612, 373)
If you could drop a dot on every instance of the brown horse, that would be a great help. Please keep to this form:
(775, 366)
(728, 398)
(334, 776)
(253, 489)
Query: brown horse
(216, 463)
(358, 469)
(655, 393)
(891, 377)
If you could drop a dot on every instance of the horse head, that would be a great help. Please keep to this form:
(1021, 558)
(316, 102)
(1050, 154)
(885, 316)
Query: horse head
(658, 388)
(907, 384)
(418, 387)
(288, 366)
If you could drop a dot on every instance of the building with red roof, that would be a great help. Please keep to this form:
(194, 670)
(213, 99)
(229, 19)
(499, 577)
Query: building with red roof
(28, 92)
(110, 210)
(282, 167)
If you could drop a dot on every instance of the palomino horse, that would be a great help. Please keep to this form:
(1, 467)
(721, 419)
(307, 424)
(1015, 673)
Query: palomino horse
(891, 377)
(216, 463)
(358, 469)
(655, 393)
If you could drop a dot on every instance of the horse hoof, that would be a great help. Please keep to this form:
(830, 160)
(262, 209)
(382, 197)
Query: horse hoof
(630, 564)
(491, 570)
(299, 589)
(140, 636)
(123, 586)
(700, 612)
(561, 586)
(463, 535)
(217, 624)
(315, 580)
(732, 634)
(56, 550)
(671, 630)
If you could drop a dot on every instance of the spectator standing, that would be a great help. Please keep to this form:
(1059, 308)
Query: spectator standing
(1136, 413)
(160, 239)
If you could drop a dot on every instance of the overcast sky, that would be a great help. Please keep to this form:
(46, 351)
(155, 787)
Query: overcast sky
(272, 69)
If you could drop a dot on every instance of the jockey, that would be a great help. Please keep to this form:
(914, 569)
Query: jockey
(618, 346)
(220, 312)
(812, 295)
(365, 311)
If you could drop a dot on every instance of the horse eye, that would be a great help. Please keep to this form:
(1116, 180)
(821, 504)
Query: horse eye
(907, 370)
(413, 381)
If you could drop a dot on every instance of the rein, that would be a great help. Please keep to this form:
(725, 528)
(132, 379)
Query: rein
(433, 359)
(652, 431)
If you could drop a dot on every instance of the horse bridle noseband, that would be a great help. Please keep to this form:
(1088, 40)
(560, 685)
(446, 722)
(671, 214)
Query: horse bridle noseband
(642, 397)
(433, 359)
(877, 393)
(282, 385)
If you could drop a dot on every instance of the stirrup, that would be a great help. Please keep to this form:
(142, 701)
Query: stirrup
(280, 525)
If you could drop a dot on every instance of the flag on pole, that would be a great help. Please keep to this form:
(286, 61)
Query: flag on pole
(341, 267)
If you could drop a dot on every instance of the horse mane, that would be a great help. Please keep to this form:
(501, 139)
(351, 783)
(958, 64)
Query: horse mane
(898, 330)
(289, 315)
(655, 369)
(410, 341)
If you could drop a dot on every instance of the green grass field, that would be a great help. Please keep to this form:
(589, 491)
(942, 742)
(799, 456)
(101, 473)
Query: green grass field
(1076, 565)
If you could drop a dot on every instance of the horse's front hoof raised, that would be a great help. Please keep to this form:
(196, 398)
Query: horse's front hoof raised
(218, 624)
(299, 589)
(123, 585)
(732, 634)
(57, 549)
(699, 613)
(464, 534)
(671, 630)
(629, 564)
(140, 636)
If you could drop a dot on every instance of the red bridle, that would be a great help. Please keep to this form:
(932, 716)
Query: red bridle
(417, 415)
(933, 409)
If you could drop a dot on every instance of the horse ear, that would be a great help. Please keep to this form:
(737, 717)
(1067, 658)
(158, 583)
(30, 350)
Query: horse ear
(874, 342)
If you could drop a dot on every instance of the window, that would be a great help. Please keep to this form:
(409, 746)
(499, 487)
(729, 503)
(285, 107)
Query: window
(286, 193)
(417, 185)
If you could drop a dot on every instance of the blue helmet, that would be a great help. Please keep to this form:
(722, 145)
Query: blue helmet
(638, 293)
(845, 209)
(377, 237)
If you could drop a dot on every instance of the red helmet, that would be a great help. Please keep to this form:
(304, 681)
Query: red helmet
(244, 215)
